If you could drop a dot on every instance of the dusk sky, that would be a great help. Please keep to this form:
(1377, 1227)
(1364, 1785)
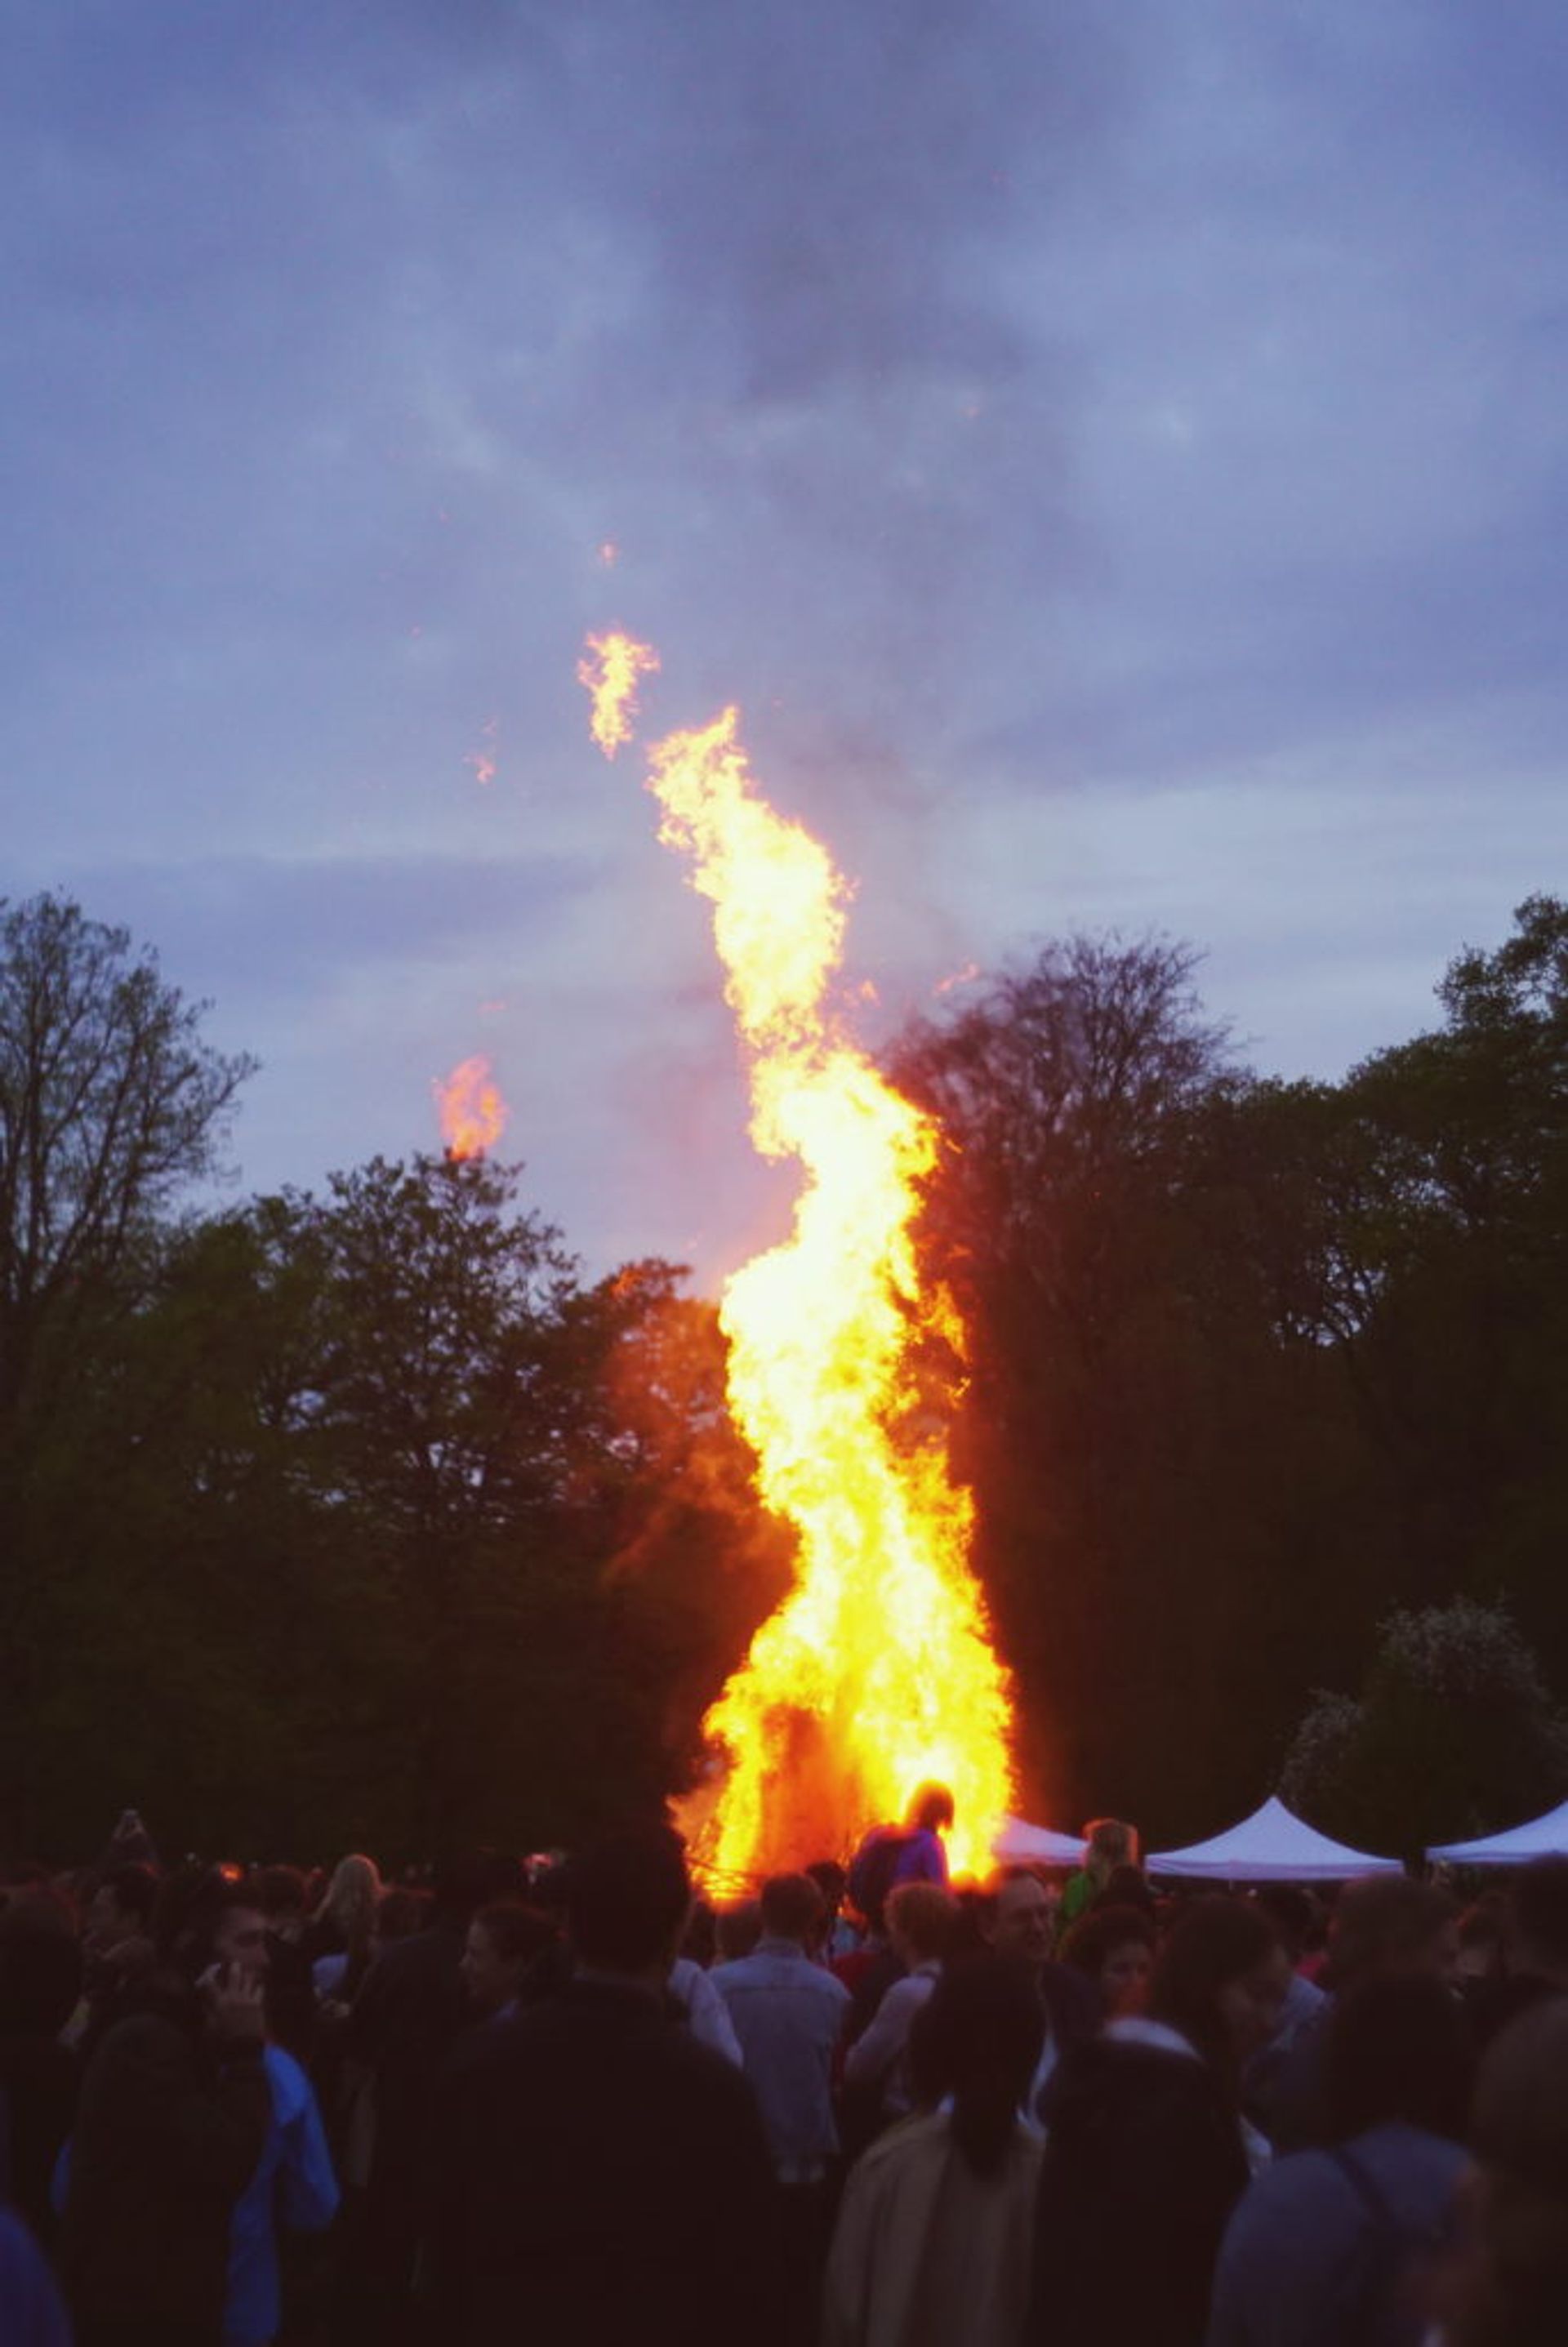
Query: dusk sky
(1116, 456)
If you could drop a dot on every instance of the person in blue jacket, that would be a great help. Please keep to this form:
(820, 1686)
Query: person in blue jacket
(295, 2185)
(1340, 2244)
(32, 2312)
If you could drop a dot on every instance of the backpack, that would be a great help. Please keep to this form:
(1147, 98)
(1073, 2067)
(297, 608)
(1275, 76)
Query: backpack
(872, 1870)
(1383, 2307)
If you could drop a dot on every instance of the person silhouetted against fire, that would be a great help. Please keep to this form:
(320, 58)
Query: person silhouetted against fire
(924, 1856)
(911, 1852)
(888, 1855)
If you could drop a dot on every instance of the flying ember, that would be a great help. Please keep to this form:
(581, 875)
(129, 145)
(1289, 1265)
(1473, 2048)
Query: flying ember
(876, 1673)
(473, 1114)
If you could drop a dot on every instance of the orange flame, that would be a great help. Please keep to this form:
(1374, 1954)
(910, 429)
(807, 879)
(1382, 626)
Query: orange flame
(473, 1114)
(610, 669)
(877, 1674)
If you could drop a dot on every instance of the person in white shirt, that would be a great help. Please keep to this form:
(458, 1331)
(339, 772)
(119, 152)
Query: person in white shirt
(920, 1917)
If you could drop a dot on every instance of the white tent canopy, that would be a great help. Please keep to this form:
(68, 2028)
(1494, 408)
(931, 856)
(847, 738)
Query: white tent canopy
(1544, 1837)
(1018, 1844)
(1270, 1846)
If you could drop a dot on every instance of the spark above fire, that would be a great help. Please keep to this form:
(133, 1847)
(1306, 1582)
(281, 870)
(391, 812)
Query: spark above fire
(876, 1673)
(611, 669)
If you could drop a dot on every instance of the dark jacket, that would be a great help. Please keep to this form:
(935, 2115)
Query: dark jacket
(600, 2176)
(1495, 2004)
(1144, 2163)
(168, 2132)
(411, 2009)
(1073, 2005)
(37, 2097)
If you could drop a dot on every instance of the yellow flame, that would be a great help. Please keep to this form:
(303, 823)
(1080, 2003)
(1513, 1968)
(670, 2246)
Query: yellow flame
(877, 1674)
(473, 1114)
(611, 669)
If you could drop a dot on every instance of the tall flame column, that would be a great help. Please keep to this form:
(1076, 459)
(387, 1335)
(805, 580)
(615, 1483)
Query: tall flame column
(876, 1673)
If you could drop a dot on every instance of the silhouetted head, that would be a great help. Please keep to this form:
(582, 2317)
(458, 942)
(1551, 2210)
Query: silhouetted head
(978, 2039)
(1107, 1843)
(1221, 1980)
(40, 1968)
(1387, 1924)
(931, 1810)
(1115, 1946)
(503, 1943)
(920, 1920)
(208, 1915)
(1016, 1916)
(121, 1907)
(1399, 2048)
(793, 1907)
(832, 1880)
(627, 1897)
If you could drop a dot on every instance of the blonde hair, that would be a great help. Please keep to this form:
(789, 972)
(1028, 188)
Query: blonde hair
(351, 1898)
(1112, 1843)
(922, 1913)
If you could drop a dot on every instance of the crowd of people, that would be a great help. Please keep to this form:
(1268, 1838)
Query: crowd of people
(570, 2100)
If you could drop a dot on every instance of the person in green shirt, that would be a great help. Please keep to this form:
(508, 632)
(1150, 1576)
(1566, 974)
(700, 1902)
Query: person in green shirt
(1107, 1845)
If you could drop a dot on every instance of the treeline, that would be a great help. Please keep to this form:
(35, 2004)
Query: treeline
(362, 1518)
(1260, 1371)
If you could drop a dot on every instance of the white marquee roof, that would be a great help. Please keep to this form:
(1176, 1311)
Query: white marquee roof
(1544, 1837)
(1273, 1845)
(1019, 1844)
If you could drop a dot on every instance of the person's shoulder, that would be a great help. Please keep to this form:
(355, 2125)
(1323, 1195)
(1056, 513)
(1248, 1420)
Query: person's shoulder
(672, 2065)
(1401, 2157)
(1294, 2178)
(733, 1970)
(1104, 2075)
(905, 2141)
